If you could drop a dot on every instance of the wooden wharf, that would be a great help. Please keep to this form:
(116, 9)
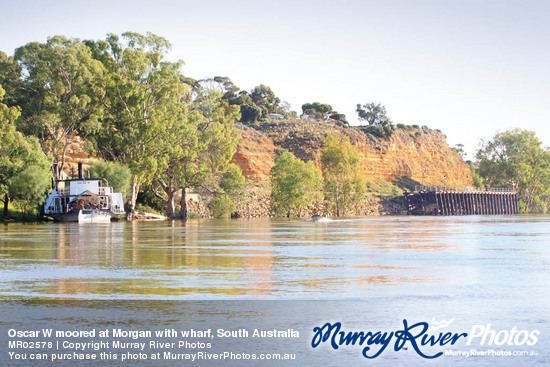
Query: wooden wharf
(442, 201)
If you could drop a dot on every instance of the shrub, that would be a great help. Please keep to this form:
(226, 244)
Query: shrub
(222, 207)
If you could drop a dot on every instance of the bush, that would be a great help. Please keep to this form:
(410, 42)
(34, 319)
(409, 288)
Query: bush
(378, 131)
(222, 207)
(193, 215)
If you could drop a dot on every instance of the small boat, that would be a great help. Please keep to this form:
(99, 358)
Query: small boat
(83, 200)
(320, 218)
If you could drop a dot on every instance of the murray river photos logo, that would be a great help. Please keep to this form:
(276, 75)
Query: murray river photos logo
(422, 337)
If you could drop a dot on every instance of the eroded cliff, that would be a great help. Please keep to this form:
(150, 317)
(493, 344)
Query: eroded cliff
(421, 156)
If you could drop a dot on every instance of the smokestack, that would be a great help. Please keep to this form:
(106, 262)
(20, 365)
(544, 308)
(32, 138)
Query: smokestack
(80, 171)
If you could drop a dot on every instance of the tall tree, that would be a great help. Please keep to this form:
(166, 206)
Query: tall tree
(344, 187)
(265, 98)
(10, 79)
(295, 185)
(62, 90)
(517, 159)
(142, 93)
(379, 124)
(24, 169)
(199, 146)
(373, 114)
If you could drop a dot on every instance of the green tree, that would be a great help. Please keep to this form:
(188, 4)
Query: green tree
(344, 187)
(254, 106)
(517, 159)
(143, 94)
(232, 181)
(222, 206)
(372, 113)
(10, 79)
(265, 98)
(322, 111)
(251, 113)
(24, 169)
(232, 184)
(179, 162)
(117, 174)
(379, 124)
(198, 146)
(477, 180)
(295, 185)
(316, 110)
(61, 93)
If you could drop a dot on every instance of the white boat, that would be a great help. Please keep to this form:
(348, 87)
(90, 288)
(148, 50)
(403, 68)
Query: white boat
(320, 218)
(83, 200)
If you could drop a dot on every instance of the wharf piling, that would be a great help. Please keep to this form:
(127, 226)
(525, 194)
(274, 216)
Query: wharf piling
(442, 201)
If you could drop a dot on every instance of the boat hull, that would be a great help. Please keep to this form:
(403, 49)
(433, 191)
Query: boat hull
(94, 216)
(84, 216)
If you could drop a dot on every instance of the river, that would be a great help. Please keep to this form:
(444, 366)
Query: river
(369, 273)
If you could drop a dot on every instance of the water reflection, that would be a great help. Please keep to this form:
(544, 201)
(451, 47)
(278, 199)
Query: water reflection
(258, 258)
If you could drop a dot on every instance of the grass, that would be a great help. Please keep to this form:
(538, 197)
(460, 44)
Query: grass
(147, 209)
(384, 188)
(16, 214)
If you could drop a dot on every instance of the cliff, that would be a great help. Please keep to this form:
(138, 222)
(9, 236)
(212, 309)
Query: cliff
(407, 158)
(416, 156)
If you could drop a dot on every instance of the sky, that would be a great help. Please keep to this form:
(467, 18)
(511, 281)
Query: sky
(470, 68)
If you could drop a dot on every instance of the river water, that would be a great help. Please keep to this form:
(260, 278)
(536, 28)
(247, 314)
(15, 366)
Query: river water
(371, 273)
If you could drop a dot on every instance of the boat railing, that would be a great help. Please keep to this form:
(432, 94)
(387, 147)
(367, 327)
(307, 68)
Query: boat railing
(105, 190)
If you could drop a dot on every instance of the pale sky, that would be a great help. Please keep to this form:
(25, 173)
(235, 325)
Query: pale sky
(469, 67)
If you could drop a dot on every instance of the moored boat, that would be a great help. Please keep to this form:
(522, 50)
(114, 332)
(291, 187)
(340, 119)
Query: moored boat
(83, 200)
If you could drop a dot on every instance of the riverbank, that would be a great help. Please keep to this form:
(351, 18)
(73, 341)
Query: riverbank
(257, 204)
(15, 216)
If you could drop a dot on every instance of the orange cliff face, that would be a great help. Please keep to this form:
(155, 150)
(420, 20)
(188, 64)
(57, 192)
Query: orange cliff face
(255, 154)
(422, 156)
(425, 158)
